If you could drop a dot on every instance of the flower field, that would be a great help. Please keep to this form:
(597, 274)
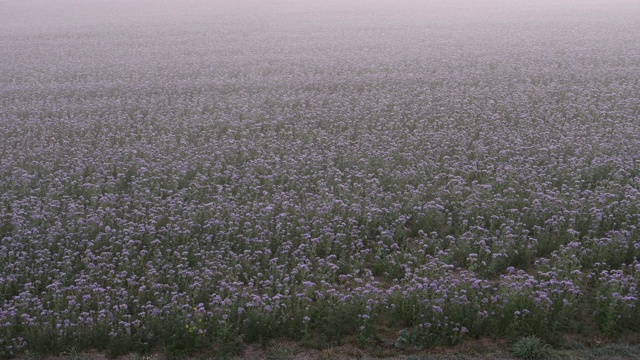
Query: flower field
(205, 174)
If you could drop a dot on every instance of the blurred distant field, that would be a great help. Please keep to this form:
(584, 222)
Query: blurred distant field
(178, 176)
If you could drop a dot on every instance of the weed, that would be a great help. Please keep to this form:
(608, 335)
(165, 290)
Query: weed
(530, 348)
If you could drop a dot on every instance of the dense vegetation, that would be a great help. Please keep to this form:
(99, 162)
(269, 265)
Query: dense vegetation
(201, 178)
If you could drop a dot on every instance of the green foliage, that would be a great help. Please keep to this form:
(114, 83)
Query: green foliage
(408, 338)
(259, 328)
(529, 348)
(279, 352)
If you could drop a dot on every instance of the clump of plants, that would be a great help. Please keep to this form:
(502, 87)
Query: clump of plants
(530, 348)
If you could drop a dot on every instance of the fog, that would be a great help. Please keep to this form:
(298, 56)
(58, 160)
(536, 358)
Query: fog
(163, 40)
(179, 33)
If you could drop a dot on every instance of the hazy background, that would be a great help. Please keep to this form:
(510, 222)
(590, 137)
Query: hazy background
(155, 36)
